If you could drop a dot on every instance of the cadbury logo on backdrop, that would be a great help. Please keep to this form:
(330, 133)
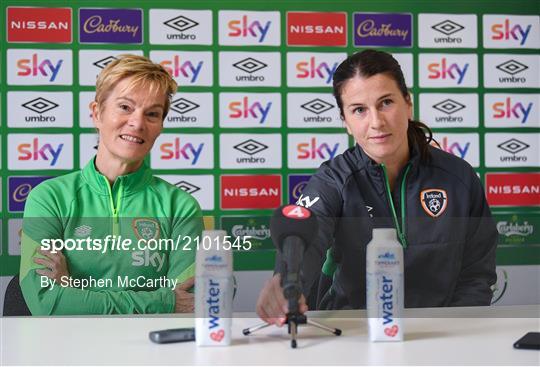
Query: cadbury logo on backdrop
(51, 25)
(297, 183)
(382, 29)
(19, 188)
(110, 25)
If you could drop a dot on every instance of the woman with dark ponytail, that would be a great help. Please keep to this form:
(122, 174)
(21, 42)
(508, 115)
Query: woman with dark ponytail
(393, 177)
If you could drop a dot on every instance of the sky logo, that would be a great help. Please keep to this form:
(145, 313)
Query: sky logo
(178, 151)
(245, 28)
(245, 109)
(34, 67)
(508, 110)
(311, 69)
(37, 152)
(443, 71)
(187, 69)
(455, 148)
(508, 31)
(313, 150)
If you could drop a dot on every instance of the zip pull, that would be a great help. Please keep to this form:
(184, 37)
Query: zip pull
(114, 210)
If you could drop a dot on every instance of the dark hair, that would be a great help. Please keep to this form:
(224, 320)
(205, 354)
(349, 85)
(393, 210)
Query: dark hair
(371, 62)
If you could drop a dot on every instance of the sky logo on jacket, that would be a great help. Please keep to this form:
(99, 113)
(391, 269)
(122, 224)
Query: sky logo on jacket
(511, 31)
(255, 28)
(173, 151)
(19, 188)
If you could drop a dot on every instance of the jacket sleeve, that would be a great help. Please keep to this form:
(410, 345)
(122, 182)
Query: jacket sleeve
(41, 221)
(477, 273)
(322, 196)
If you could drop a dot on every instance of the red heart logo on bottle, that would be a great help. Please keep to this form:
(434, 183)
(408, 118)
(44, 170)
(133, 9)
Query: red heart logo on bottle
(391, 331)
(217, 336)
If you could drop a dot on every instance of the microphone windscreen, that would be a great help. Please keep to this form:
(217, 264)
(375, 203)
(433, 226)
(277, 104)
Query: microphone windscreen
(293, 220)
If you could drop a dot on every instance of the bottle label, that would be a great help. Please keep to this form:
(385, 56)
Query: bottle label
(385, 304)
(213, 310)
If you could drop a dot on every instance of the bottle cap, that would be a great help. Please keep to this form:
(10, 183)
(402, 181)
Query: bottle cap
(385, 234)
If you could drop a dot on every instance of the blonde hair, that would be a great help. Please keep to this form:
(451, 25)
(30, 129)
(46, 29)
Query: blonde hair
(145, 74)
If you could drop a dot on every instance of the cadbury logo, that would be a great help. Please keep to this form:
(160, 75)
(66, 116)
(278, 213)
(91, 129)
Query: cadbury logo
(368, 29)
(95, 24)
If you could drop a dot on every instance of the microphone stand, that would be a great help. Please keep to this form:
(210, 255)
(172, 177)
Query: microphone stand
(294, 318)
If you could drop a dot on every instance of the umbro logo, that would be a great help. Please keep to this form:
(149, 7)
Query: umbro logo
(40, 105)
(449, 106)
(317, 106)
(512, 67)
(104, 62)
(250, 147)
(513, 146)
(447, 27)
(250, 65)
(187, 187)
(181, 23)
(182, 106)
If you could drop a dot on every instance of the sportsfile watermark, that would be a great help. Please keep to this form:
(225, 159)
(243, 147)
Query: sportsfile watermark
(119, 243)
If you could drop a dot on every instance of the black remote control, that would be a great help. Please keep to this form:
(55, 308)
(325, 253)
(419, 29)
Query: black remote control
(172, 335)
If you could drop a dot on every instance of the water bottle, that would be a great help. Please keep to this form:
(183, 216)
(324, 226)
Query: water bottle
(213, 290)
(385, 287)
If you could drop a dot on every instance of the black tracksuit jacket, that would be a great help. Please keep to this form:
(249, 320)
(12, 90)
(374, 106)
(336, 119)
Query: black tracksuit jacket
(449, 242)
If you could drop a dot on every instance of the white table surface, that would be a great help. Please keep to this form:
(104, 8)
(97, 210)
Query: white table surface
(464, 336)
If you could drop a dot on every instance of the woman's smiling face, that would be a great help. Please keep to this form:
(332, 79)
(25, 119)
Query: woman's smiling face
(129, 121)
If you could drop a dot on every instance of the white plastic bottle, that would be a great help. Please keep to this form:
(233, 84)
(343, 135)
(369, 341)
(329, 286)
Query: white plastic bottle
(213, 290)
(385, 287)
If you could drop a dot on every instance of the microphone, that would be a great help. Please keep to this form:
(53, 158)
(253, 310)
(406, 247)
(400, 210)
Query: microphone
(292, 228)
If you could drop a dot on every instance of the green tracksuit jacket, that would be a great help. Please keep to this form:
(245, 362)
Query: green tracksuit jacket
(83, 204)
